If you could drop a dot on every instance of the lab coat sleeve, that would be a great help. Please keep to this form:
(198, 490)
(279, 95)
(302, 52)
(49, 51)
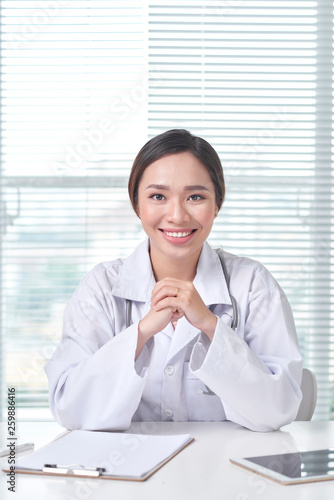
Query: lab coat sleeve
(257, 373)
(94, 383)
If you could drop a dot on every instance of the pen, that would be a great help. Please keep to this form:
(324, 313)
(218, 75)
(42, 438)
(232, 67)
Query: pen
(19, 448)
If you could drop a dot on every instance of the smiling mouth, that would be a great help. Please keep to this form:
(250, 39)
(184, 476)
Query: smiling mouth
(178, 234)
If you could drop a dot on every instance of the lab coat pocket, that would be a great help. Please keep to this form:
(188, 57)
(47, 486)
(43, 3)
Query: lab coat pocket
(201, 407)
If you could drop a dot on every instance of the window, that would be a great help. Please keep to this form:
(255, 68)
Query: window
(86, 83)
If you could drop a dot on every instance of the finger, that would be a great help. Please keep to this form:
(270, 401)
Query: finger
(170, 282)
(177, 315)
(166, 291)
(173, 303)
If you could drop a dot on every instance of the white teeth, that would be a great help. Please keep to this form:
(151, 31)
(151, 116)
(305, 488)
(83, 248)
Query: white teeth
(177, 235)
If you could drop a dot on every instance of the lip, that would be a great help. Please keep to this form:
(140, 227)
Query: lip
(178, 240)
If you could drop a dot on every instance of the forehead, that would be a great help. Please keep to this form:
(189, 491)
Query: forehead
(177, 168)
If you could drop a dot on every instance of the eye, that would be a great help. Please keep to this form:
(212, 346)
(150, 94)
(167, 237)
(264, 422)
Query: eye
(157, 197)
(196, 197)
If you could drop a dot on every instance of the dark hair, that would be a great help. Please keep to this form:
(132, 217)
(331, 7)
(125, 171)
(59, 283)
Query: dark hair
(173, 142)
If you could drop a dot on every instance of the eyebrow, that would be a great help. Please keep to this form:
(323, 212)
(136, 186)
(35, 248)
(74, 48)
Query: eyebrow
(195, 187)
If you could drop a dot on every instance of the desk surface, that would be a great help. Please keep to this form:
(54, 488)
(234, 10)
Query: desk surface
(201, 471)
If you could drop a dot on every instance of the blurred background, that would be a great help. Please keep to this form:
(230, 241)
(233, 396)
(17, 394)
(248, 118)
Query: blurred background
(84, 84)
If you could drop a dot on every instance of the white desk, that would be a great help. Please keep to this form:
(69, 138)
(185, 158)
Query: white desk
(202, 471)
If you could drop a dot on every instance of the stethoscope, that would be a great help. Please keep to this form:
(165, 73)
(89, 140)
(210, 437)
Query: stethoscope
(235, 319)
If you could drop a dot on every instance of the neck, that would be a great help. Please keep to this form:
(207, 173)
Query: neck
(180, 269)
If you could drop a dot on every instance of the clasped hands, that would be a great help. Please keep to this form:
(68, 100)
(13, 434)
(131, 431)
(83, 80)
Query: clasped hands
(171, 300)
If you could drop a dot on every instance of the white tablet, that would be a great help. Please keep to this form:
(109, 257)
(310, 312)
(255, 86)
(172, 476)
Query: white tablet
(292, 468)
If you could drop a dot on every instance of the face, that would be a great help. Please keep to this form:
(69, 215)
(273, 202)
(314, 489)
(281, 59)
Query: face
(177, 206)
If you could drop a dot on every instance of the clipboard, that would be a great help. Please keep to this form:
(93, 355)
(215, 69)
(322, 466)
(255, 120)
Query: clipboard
(104, 455)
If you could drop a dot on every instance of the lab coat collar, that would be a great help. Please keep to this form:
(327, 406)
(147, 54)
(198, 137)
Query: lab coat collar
(210, 280)
(135, 280)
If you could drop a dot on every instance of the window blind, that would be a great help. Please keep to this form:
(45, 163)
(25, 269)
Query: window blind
(86, 83)
(255, 79)
(74, 114)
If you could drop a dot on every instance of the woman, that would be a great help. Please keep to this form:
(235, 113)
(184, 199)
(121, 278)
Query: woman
(178, 359)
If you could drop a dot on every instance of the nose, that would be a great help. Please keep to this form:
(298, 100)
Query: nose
(177, 212)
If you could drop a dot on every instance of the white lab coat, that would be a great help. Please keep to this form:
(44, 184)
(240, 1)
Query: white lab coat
(254, 372)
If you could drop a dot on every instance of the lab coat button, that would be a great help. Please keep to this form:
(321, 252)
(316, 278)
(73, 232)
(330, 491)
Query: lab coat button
(169, 370)
(168, 413)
